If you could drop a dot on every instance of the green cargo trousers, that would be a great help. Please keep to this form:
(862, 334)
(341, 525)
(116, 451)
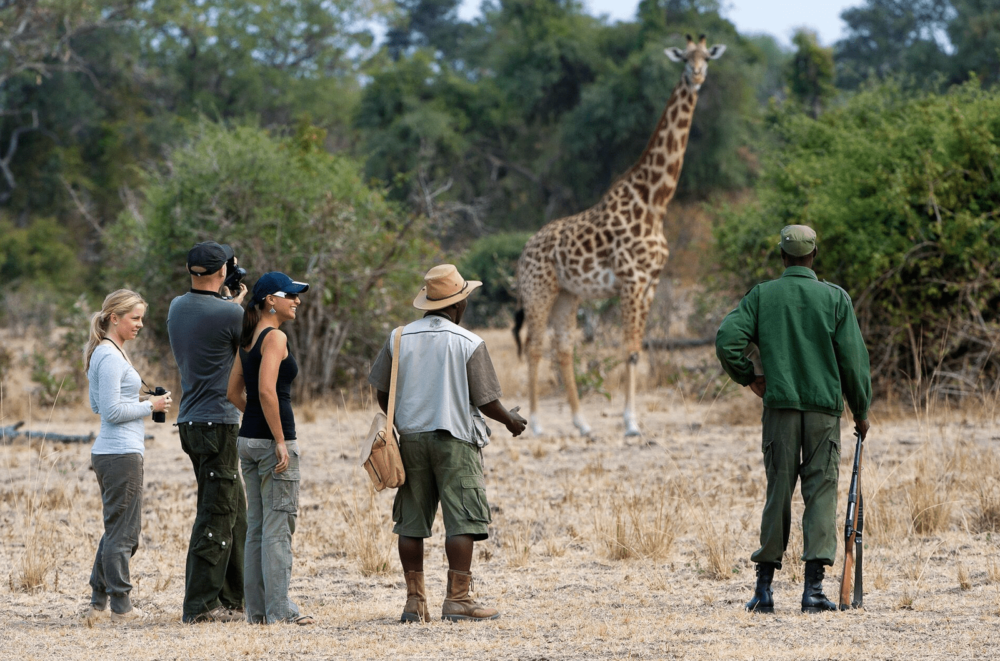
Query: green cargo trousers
(798, 444)
(214, 571)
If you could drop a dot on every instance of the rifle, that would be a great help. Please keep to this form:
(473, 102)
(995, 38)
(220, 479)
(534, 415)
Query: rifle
(853, 542)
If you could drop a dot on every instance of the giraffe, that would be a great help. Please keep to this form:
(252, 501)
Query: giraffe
(615, 247)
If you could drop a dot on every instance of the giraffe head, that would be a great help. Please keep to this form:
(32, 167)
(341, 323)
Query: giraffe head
(695, 57)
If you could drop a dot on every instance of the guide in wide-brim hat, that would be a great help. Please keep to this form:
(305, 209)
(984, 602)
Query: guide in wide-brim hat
(444, 286)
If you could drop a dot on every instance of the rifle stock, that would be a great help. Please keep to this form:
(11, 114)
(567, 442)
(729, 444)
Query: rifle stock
(853, 543)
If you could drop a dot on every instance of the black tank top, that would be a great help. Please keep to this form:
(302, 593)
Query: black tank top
(254, 424)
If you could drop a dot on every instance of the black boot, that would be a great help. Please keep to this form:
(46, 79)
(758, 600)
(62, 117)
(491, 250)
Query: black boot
(813, 599)
(763, 601)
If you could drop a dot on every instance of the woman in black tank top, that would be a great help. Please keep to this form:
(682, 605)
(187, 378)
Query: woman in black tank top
(260, 385)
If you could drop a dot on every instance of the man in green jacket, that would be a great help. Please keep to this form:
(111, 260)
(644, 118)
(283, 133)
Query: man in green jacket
(812, 357)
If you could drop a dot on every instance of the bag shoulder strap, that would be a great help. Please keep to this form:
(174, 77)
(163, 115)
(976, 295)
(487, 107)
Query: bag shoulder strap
(397, 338)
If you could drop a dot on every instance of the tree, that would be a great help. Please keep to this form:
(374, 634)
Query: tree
(810, 73)
(975, 33)
(283, 204)
(38, 40)
(900, 38)
(430, 24)
(902, 190)
(272, 58)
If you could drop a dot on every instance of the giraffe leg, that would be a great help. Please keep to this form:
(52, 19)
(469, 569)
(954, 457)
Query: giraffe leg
(563, 324)
(536, 313)
(637, 299)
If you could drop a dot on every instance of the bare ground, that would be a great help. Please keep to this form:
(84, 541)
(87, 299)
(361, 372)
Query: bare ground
(599, 548)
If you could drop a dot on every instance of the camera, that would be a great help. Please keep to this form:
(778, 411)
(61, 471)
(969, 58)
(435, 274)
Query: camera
(234, 276)
(159, 416)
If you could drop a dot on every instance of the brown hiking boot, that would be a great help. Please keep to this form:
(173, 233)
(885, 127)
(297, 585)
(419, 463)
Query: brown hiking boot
(458, 605)
(415, 609)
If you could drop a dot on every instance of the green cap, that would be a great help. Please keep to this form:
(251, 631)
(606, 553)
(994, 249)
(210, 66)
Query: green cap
(798, 240)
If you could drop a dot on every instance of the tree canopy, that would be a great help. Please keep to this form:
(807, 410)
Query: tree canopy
(481, 127)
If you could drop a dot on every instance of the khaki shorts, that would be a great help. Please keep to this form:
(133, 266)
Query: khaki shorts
(441, 468)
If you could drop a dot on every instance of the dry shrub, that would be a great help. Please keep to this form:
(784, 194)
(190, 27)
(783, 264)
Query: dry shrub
(638, 525)
(554, 548)
(964, 582)
(369, 538)
(36, 561)
(992, 570)
(887, 516)
(743, 409)
(517, 545)
(928, 504)
(984, 483)
(719, 541)
(612, 530)
(306, 411)
(793, 552)
(877, 571)
(595, 467)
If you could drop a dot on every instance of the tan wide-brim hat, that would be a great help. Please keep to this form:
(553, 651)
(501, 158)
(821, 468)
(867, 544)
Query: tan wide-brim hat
(443, 286)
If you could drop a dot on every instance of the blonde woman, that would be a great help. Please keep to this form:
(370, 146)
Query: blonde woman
(118, 449)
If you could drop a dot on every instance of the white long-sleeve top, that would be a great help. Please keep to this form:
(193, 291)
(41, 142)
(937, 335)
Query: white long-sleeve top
(114, 395)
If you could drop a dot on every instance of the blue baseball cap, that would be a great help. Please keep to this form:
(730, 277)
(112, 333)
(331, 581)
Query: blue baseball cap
(274, 282)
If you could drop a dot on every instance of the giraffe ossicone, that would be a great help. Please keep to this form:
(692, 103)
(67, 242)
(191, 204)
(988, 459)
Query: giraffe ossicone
(616, 247)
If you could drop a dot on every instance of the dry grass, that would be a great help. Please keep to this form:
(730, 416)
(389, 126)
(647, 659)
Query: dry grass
(992, 570)
(964, 582)
(603, 550)
(368, 539)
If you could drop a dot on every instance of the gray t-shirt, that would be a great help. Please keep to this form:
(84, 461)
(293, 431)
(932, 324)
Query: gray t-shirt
(204, 335)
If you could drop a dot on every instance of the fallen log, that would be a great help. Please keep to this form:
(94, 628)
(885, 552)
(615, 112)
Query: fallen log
(10, 432)
(672, 343)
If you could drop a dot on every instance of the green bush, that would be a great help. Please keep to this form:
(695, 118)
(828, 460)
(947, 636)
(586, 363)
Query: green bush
(493, 260)
(284, 204)
(904, 193)
(39, 270)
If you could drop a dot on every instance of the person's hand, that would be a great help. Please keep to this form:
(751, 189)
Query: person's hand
(862, 427)
(281, 451)
(759, 386)
(161, 403)
(515, 424)
(238, 299)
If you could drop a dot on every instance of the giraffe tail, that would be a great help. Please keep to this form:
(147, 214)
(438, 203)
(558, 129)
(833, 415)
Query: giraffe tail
(518, 322)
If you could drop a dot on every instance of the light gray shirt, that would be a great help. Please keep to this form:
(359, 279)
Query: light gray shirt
(114, 395)
(445, 374)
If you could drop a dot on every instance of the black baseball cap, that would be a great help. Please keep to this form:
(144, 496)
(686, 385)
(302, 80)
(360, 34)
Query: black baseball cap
(208, 257)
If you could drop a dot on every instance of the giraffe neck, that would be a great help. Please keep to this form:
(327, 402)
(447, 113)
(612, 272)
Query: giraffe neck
(655, 175)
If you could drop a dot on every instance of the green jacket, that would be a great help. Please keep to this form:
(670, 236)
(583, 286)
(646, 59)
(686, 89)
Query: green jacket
(810, 345)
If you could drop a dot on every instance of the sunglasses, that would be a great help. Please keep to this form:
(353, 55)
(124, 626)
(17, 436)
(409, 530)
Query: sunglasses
(282, 294)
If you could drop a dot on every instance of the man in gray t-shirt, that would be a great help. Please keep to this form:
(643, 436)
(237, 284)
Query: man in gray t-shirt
(204, 336)
(205, 332)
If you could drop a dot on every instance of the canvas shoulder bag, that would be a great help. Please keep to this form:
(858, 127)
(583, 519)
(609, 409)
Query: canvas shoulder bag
(380, 449)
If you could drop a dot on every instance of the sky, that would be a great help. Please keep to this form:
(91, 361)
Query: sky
(776, 17)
